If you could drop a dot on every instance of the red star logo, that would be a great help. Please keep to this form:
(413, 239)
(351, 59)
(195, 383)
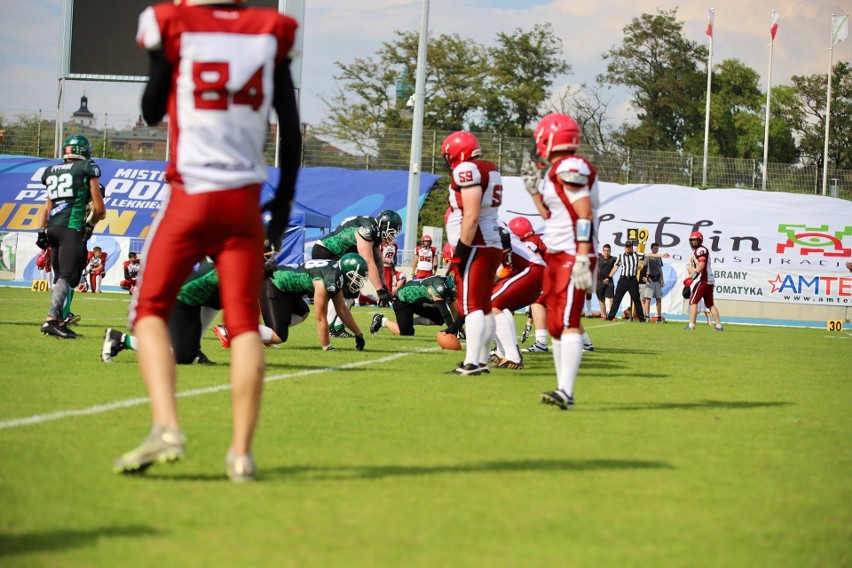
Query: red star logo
(776, 283)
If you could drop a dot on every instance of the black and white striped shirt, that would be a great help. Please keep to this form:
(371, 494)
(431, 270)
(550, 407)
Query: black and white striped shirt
(629, 264)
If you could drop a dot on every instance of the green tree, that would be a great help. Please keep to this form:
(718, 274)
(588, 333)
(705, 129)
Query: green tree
(524, 65)
(803, 108)
(663, 72)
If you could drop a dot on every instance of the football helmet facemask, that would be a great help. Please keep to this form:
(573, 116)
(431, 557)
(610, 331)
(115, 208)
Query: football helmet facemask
(459, 147)
(697, 237)
(354, 269)
(390, 224)
(76, 147)
(556, 132)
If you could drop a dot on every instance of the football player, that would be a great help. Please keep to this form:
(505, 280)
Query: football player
(70, 186)
(567, 198)
(283, 306)
(420, 302)
(476, 192)
(131, 272)
(361, 235)
(95, 267)
(425, 258)
(700, 282)
(217, 68)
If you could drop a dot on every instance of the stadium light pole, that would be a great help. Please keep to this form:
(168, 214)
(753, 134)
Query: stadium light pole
(412, 213)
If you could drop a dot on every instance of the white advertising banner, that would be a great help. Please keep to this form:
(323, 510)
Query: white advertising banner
(764, 246)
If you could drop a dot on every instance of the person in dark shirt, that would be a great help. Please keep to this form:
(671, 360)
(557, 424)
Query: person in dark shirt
(605, 288)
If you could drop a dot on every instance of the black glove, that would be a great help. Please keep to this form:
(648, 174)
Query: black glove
(460, 258)
(385, 296)
(41, 239)
(359, 342)
(278, 223)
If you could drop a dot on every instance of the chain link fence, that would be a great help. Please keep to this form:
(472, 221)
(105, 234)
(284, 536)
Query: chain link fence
(125, 137)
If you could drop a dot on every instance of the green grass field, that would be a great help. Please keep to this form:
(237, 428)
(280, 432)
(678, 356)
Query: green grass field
(699, 449)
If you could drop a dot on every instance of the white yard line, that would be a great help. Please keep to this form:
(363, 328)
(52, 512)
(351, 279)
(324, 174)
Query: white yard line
(101, 408)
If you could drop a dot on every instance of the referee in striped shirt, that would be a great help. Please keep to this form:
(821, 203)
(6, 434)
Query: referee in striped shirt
(628, 262)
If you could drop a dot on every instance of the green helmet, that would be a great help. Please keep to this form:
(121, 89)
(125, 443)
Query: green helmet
(77, 147)
(390, 224)
(354, 269)
(450, 294)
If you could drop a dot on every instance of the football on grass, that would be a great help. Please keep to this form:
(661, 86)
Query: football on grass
(448, 341)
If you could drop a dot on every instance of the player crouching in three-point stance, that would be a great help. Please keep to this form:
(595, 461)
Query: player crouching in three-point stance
(217, 68)
(700, 282)
(567, 199)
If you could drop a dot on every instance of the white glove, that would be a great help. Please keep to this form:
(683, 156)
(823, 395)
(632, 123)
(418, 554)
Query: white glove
(532, 178)
(581, 274)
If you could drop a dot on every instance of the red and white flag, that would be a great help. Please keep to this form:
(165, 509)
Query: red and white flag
(774, 27)
(709, 30)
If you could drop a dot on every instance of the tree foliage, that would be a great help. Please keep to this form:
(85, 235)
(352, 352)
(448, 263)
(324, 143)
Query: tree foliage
(661, 69)
(803, 108)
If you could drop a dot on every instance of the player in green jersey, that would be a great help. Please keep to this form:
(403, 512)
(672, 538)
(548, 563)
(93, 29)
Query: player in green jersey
(420, 302)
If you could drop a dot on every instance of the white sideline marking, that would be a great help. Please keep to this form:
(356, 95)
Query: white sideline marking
(100, 408)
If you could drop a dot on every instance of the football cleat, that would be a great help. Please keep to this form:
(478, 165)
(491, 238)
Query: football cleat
(340, 332)
(71, 319)
(222, 333)
(202, 359)
(512, 365)
(588, 347)
(558, 398)
(376, 324)
(162, 445)
(526, 334)
(537, 348)
(469, 369)
(59, 330)
(689, 328)
(719, 328)
(240, 469)
(113, 343)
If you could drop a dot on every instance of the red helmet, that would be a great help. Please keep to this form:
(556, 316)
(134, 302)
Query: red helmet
(521, 226)
(556, 132)
(696, 236)
(426, 238)
(459, 147)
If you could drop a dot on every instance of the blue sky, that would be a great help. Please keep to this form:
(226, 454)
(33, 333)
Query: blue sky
(340, 31)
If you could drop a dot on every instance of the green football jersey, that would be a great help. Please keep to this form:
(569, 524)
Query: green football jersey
(343, 240)
(201, 289)
(68, 188)
(300, 280)
(419, 290)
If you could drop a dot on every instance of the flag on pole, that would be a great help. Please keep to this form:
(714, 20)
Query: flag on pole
(839, 29)
(709, 30)
(774, 28)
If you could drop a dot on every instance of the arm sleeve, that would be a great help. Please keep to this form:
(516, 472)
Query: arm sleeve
(290, 131)
(156, 96)
(445, 313)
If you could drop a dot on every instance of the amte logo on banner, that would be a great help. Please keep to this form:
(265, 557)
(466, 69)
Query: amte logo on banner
(814, 240)
(819, 289)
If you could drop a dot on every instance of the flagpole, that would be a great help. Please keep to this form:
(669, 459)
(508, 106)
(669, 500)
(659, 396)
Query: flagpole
(766, 128)
(828, 108)
(707, 107)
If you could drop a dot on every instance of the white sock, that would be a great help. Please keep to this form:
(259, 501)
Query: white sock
(265, 333)
(572, 354)
(134, 343)
(475, 330)
(586, 340)
(541, 336)
(490, 332)
(557, 359)
(507, 344)
(207, 316)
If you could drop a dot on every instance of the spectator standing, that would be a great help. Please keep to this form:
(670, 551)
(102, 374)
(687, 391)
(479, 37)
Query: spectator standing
(605, 289)
(62, 220)
(628, 283)
(567, 198)
(476, 192)
(654, 282)
(217, 68)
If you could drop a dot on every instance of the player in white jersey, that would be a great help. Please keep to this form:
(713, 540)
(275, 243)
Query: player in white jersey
(700, 282)
(217, 68)
(476, 191)
(567, 199)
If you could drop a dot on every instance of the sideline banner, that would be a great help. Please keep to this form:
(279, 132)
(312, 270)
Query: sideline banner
(765, 246)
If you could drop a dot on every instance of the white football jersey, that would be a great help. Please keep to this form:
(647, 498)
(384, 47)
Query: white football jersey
(560, 228)
(469, 176)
